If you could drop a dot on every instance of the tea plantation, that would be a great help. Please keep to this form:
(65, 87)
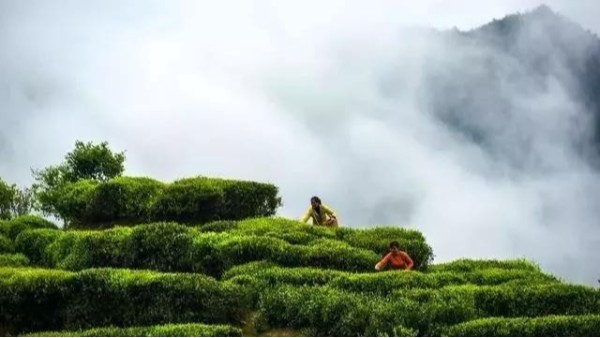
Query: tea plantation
(207, 257)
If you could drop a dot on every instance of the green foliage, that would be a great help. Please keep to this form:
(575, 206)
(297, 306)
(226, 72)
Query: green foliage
(468, 265)
(13, 260)
(122, 200)
(288, 230)
(14, 201)
(126, 200)
(94, 162)
(6, 245)
(23, 201)
(6, 200)
(160, 246)
(95, 249)
(537, 300)
(19, 224)
(219, 226)
(146, 297)
(428, 311)
(33, 244)
(203, 199)
(33, 299)
(174, 247)
(88, 161)
(378, 240)
(548, 326)
(36, 299)
(265, 274)
(134, 200)
(189, 201)
(332, 312)
(166, 330)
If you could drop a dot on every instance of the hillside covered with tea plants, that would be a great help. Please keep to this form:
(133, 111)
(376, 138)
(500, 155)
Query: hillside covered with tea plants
(209, 257)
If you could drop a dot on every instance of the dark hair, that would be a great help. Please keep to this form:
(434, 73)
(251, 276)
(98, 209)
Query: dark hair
(315, 199)
(395, 244)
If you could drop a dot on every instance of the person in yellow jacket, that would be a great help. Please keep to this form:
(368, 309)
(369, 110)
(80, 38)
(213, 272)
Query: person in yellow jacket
(320, 214)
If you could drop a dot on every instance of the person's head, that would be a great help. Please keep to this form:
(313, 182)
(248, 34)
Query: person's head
(315, 201)
(394, 246)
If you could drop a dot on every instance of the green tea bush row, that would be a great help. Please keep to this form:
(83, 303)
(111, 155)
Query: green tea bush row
(548, 326)
(41, 300)
(15, 226)
(469, 265)
(165, 330)
(6, 245)
(33, 244)
(378, 240)
(382, 282)
(134, 200)
(13, 260)
(374, 239)
(328, 311)
(174, 247)
(428, 311)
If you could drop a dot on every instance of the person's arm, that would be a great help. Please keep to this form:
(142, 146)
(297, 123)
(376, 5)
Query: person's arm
(306, 216)
(328, 211)
(383, 262)
(409, 262)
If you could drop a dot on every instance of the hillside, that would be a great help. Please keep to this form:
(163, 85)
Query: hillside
(267, 276)
(505, 84)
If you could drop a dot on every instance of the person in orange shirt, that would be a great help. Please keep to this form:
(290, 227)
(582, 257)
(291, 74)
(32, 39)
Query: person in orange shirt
(395, 258)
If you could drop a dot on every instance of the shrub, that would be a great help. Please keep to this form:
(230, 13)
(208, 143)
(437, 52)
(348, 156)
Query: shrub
(246, 199)
(218, 226)
(468, 265)
(550, 326)
(13, 260)
(131, 200)
(207, 253)
(33, 299)
(33, 244)
(160, 246)
(18, 224)
(146, 297)
(288, 230)
(108, 248)
(516, 301)
(243, 249)
(36, 299)
(537, 300)
(123, 200)
(267, 275)
(166, 330)
(338, 255)
(378, 241)
(189, 201)
(72, 202)
(6, 245)
(332, 312)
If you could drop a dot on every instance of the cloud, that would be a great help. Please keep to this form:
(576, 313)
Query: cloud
(335, 99)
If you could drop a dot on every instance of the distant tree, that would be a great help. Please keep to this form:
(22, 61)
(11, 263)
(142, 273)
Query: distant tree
(23, 202)
(87, 161)
(14, 201)
(6, 199)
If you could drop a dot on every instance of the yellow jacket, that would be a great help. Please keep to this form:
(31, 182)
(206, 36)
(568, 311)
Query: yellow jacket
(318, 218)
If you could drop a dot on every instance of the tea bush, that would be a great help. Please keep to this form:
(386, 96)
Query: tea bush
(165, 330)
(548, 326)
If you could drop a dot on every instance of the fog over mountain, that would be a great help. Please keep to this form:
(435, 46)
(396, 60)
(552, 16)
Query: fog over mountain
(485, 136)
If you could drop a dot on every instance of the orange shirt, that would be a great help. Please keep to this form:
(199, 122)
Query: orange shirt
(401, 260)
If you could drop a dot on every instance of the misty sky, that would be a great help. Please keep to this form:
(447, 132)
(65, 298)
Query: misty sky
(291, 93)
